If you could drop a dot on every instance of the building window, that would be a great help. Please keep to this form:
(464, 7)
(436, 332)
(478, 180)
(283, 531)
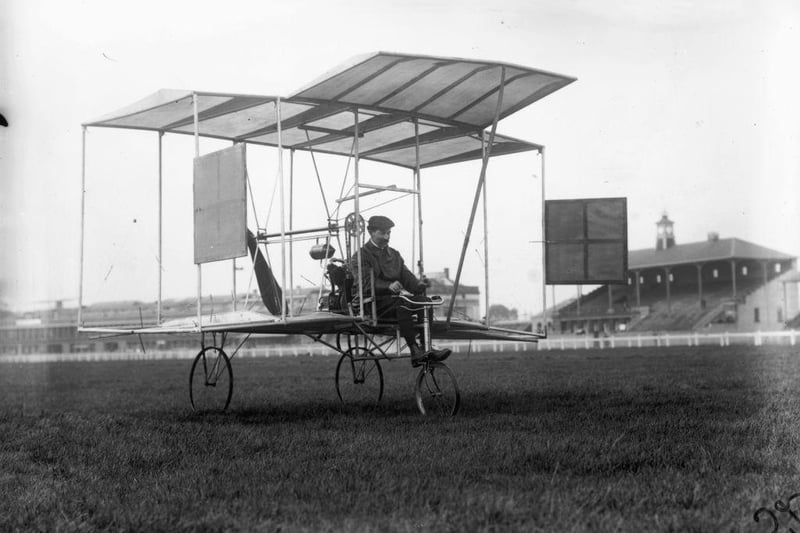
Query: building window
(671, 277)
(756, 316)
(715, 273)
(658, 278)
(777, 268)
(641, 279)
(744, 270)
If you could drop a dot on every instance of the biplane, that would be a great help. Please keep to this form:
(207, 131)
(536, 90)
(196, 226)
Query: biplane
(409, 111)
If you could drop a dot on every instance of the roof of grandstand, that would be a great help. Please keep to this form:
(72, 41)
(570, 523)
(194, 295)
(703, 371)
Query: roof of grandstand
(698, 252)
(794, 277)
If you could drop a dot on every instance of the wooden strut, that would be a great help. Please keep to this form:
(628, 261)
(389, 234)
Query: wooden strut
(199, 265)
(160, 223)
(356, 191)
(544, 259)
(83, 224)
(485, 237)
(426, 326)
(283, 210)
(477, 197)
(291, 227)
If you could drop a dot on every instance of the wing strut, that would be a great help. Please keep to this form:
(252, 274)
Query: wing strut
(160, 221)
(356, 192)
(485, 238)
(83, 223)
(419, 199)
(291, 228)
(544, 259)
(477, 197)
(283, 210)
(199, 265)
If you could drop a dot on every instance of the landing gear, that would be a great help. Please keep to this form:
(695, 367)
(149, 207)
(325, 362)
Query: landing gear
(359, 378)
(211, 381)
(437, 391)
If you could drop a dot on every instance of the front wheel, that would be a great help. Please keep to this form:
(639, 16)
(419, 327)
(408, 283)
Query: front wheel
(437, 390)
(359, 378)
(211, 381)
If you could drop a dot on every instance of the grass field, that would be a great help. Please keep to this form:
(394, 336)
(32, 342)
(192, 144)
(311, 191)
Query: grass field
(670, 439)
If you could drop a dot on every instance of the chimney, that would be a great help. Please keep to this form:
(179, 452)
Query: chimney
(446, 273)
(713, 236)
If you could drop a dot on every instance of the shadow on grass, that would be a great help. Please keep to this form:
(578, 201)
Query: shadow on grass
(603, 405)
(585, 432)
(299, 412)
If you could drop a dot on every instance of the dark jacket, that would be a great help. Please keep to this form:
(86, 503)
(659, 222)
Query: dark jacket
(388, 266)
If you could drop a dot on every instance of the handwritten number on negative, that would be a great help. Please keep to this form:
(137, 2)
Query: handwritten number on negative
(781, 507)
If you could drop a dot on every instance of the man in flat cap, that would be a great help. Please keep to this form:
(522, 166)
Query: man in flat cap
(392, 278)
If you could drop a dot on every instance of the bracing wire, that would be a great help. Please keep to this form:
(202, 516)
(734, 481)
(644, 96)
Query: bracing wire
(271, 200)
(249, 284)
(319, 180)
(252, 198)
(258, 226)
(255, 217)
(324, 199)
(386, 202)
(265, 248)
(119, 249)
(346, 171)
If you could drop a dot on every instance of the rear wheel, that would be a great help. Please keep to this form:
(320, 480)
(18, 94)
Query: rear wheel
(211, 381)
(359, 378)
(437, 391)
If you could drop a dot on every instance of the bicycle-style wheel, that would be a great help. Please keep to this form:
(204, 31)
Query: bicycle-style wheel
(211, 381)
(437, 391)
(359, 378)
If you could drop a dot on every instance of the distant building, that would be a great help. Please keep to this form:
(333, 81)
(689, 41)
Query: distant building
(55, 330)
(717, 284)
(467, 305)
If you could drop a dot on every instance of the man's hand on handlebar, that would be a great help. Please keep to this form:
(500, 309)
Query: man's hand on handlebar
(396, 287)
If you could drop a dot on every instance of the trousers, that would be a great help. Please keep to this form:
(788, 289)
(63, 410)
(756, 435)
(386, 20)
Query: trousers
(389, 307)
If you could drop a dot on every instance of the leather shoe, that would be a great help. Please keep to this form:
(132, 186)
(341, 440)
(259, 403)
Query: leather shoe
(418, 355)
(439, 355)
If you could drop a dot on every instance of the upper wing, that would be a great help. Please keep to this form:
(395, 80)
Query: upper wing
(444, 103)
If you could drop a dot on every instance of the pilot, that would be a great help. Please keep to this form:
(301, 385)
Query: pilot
(392, 278)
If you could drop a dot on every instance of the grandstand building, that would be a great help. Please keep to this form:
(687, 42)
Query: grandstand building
(715, 285)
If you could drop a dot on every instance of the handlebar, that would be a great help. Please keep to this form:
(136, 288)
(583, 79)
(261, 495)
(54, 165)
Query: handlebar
(432, 301)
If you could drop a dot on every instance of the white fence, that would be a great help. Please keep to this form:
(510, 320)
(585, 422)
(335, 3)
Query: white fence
(755, 338)
(758, 338)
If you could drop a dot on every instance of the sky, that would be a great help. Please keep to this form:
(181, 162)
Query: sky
(683, 107)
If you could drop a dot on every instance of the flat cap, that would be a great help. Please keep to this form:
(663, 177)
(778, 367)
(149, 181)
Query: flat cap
(379, 222)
